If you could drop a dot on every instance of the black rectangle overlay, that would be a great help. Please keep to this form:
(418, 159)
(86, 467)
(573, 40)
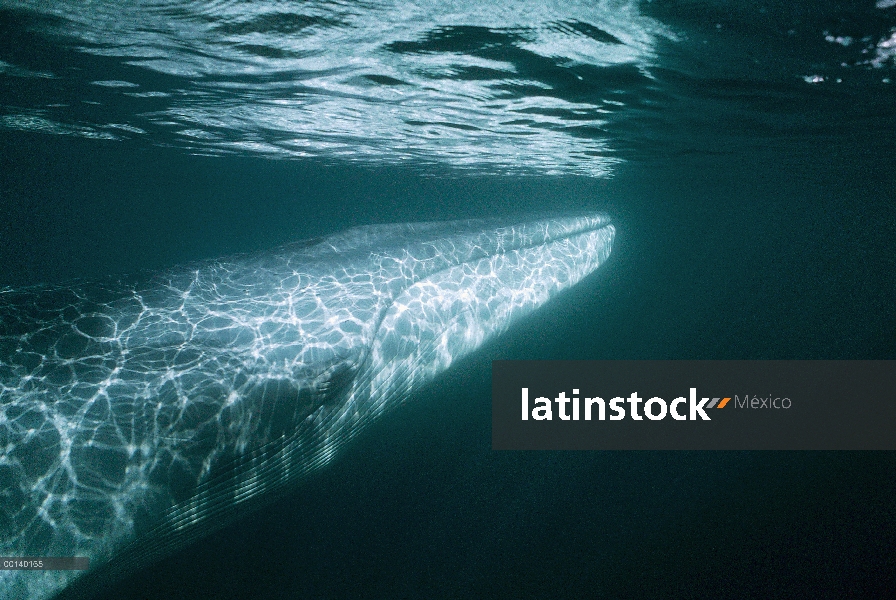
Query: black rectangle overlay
(44, 563)
(771, 405)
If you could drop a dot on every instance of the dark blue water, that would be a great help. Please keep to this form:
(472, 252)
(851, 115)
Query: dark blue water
(745, 153)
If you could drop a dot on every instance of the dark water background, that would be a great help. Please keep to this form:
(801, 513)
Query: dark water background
(755, 219)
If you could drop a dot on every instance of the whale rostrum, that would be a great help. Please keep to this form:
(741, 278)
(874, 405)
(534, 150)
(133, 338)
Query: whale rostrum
(136, 415)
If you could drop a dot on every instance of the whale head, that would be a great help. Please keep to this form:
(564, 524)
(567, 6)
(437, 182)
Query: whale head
(489, 277)
(138, 415)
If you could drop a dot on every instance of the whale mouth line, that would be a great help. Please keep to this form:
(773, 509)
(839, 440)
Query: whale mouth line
(572, 227)
(449, 312)
(592, 224)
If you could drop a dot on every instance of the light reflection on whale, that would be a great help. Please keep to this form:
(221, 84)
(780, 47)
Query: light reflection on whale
(136, 416)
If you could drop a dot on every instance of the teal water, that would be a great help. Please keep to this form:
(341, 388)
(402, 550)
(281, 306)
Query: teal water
(745, 153)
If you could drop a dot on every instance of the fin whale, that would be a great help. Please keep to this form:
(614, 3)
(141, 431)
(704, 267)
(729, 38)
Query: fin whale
(138, 415)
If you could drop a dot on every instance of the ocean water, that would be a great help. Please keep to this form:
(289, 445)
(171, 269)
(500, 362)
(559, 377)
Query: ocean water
(744, 150)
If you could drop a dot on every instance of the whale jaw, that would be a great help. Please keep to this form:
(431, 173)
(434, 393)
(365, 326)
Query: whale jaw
(453, 312)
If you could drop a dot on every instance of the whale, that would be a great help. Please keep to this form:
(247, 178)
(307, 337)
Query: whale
(140, 413)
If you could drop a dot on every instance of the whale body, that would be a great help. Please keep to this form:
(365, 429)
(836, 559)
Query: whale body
(137, 415)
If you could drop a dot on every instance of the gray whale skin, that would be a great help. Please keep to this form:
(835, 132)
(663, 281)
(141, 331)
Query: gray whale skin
(138, 415)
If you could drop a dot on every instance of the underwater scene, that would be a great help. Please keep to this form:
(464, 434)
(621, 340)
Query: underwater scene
(257, 258)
